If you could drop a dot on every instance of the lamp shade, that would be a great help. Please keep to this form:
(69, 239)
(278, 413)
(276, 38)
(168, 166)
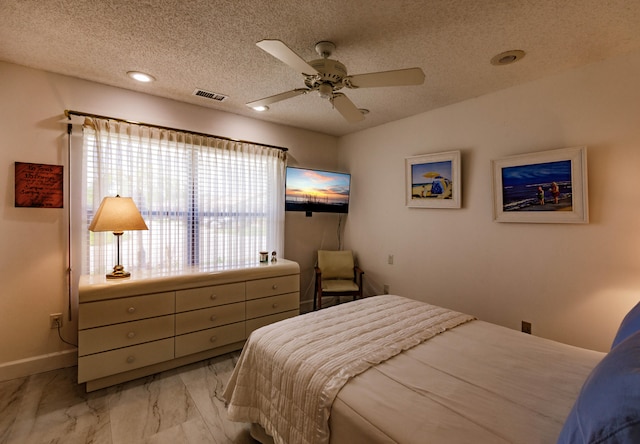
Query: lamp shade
(117, 214)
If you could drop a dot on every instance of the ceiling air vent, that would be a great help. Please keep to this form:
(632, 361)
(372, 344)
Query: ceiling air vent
(210, 95)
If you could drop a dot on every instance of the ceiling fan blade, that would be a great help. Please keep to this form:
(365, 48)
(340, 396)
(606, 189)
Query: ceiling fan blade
(286, 55)
(278, 97)
(347, 108)
(400, 77)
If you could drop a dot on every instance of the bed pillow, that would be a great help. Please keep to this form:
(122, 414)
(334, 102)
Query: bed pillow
(630, 324)
(607, 409)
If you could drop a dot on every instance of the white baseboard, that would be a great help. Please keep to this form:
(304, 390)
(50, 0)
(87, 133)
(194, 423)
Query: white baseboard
(38, 364)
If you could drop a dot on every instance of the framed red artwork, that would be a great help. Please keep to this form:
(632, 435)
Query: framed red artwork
(39, 185)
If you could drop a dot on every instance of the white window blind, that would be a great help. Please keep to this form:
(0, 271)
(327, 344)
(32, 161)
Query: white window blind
(209, 203)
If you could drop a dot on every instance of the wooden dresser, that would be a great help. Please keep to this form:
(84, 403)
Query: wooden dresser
(150, 323)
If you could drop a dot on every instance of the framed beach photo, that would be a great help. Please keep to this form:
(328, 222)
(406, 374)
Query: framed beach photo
(433, 180)
(544, 187)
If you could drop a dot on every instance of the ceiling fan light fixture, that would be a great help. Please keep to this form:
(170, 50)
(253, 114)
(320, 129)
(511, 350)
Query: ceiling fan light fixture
(507, 57)
(325, 90)
(140, 76)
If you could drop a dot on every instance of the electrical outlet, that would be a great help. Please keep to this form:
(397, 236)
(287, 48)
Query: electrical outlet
(55, 320)
(385, 289)
(526, 327)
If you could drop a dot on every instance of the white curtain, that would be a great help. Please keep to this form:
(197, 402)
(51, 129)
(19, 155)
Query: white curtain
(209, 203)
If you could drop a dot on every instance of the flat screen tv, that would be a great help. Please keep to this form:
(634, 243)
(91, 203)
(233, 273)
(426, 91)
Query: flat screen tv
(318, 191)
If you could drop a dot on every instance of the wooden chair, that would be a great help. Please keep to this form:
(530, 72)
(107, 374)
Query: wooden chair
(337, 275)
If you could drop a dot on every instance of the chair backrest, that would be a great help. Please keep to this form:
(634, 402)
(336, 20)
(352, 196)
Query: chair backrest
(336, 264)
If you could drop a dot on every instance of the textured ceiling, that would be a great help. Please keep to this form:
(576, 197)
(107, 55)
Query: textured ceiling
(210, 44)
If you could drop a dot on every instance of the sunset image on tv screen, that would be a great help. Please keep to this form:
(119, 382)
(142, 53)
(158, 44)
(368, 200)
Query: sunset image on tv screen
(314, 190)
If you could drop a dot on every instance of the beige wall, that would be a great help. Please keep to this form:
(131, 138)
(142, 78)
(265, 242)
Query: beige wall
(573, 282)
(33, 242)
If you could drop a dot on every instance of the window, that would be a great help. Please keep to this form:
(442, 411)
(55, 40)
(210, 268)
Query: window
(209, 203)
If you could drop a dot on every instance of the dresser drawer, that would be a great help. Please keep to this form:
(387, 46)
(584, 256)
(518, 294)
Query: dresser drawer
(99, 339)
(260, 288)
(209, 317)
(208, 339)
(254, 324)
(203, 297)
(123, 359)
(273, 304)
(95, 314)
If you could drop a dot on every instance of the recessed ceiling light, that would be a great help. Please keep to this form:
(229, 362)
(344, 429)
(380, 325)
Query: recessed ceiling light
(508, 57)
(364, 111)
(140, 76)
(261, 108)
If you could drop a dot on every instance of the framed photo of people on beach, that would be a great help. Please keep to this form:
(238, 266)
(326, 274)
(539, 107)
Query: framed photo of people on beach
(433, 180)
(544, 187)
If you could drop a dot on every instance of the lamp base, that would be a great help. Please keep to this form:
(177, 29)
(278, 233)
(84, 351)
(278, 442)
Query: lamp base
(118, 273)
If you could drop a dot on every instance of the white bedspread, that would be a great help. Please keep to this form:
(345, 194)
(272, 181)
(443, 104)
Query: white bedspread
(290, 372)
(478, 383)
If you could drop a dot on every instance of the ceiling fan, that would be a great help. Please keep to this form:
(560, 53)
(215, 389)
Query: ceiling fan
(328, 76)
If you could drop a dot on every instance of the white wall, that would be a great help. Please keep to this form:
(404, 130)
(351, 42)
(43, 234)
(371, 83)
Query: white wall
(573, 282)
(33, 242)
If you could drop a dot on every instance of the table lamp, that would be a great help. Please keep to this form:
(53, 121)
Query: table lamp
(117, 214)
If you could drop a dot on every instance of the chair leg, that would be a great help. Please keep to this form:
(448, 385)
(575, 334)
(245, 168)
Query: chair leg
(315, 291)
(317, 300)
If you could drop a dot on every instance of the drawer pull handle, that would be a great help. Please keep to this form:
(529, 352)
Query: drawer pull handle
(131, 310)
(213, 339)
(130, 359)
(275, 305)
(214, 317)
(214, 297)
(275, 286)
(131, 335)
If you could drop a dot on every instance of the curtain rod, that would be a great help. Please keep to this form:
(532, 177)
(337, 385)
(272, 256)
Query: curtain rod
(69, 113)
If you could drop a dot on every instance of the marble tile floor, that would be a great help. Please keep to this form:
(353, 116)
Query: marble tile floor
(180, 406)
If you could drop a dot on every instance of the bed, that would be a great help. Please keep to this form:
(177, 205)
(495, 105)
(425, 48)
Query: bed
(388, 369)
